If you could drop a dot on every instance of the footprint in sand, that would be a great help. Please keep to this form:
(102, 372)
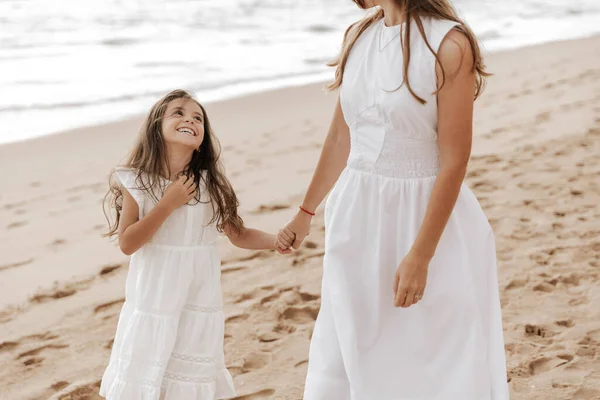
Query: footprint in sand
(79, 391)
(263, 394)
(42, 336)
(567, 323)
(233, 268)
(268, 337)
(33, 361)
(545, 364)
(537, 330)
(108, 269)
(58, 243)
(37, 350)
(106, 306)
(310, 245)
(16, 264)
(544, 287)
(284, 328)
(516, 283)
(8, 346)
(57, 294)
(16, 224)
(251, 295)
(73, 199)
(484, 186)
(301, 315)
(236, 317)
(59, 385)
(270, 208)
(256, 361)
(69, 289)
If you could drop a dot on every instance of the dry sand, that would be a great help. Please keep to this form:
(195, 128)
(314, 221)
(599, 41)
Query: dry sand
(535, 168)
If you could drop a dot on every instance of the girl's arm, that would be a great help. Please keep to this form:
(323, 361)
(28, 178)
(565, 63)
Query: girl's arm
(332, 162)
(251, 239)
(135, 232)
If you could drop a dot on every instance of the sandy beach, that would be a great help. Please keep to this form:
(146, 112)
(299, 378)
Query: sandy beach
(535, 169)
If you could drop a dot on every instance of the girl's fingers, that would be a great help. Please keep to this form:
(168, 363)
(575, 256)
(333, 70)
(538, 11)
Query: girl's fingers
(287, 234)
(190, 183)
(285, 240)
(282, 245)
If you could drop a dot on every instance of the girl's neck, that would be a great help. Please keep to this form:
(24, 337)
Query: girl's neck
(393, 14)
(179, 158)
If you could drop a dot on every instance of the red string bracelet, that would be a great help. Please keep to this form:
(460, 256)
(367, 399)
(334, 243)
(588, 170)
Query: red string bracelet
(306, 211)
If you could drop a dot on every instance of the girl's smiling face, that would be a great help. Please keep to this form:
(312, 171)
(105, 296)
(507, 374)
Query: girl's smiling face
(183, 124)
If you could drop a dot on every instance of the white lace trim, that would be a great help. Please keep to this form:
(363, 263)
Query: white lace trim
(189, 379)
(400, 157)
(185, 357)
(205, 309)
(189, 307)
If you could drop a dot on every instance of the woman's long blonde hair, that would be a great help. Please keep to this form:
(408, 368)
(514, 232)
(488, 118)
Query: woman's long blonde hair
(414, 10)
(148, 159)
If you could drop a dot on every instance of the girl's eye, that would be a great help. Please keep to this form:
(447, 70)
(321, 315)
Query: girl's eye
(198, 119)
(179, 112)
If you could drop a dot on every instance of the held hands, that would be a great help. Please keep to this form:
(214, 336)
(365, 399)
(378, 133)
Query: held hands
(179, 192)
(410, 281)
(294, 233)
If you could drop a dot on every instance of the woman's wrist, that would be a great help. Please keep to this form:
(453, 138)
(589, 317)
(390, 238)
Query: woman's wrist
(307, 210)
(420, 255)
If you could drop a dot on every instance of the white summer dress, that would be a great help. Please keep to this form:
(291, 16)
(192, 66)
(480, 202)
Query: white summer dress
(169, 339)
(449, 346)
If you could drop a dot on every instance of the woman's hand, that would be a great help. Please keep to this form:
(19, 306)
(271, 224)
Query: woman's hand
(179, 192)
(410, 281)
(296, 230)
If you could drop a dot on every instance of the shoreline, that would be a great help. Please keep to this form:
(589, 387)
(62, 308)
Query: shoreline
(247, 89)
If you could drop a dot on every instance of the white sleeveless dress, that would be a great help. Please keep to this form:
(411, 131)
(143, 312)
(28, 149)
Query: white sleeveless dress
(169, 339)
(449, 346)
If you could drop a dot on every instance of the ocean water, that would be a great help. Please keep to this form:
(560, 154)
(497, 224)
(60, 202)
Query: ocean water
(72, 63)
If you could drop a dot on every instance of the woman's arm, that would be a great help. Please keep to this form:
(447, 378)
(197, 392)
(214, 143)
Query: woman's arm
(455, 127)
(333, 159)
(455, 120)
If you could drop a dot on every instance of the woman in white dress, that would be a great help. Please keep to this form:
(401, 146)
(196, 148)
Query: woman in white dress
(410, 306)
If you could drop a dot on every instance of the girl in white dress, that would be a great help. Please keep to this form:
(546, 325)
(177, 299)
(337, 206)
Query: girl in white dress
(171, 200)
(410, 306)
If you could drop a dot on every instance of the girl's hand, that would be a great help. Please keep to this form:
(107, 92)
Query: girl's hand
(284, 240)
(179, 192)
(410, 281)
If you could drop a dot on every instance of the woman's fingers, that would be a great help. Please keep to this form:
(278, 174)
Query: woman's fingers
(409, 299)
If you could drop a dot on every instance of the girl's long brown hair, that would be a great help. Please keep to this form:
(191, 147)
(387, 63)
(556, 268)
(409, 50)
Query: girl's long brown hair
(414, 10)
(149, 161)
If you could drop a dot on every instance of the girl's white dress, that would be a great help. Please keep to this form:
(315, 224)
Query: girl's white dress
(449, 346)
(169, 339)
